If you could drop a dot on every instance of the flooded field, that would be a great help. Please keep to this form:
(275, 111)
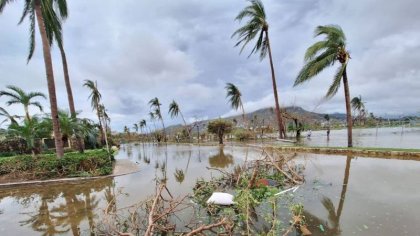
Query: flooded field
(342, 195)
(395, 137)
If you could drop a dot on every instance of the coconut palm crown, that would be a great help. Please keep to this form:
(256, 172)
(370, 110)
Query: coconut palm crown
(18, 96)
(326, 53)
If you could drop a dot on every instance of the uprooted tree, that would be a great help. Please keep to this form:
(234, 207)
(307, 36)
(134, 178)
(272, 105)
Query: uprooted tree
(219, 127)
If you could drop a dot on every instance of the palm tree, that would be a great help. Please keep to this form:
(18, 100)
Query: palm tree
(234, 95)
(36, 10)
(323, 54)
(155, 104)
(257, 25)
(143, 125)
(31, 131)
(359, 106)
(11, 118)
(174, 111)
(18, 96)
(136, 127)
(95, 98)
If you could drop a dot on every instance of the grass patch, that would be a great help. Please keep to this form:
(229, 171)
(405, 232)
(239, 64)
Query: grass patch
(46, 166)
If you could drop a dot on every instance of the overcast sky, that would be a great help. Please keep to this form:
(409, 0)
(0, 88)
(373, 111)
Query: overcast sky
(183, 50)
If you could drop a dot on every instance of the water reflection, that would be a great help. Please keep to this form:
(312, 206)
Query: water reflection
(60, 208)
(221, 160)
(332, 225)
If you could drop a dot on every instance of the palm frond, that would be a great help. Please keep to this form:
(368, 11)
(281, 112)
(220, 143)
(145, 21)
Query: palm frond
(256, 25)
(336, 82)
(173, 109)
(37, 104)
(315, 66)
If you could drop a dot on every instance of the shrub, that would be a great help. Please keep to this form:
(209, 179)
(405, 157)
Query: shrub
(242, 134)
(73, 164)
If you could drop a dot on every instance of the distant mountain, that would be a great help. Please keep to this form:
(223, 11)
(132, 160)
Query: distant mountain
(267, 116)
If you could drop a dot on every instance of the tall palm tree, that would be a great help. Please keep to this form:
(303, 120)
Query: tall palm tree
(257, 26)
(11, 118)
(174, 111)
(323, 54)
(234, 95)
(155, 104)
(18, 96)
(36, 10)
(95, 98)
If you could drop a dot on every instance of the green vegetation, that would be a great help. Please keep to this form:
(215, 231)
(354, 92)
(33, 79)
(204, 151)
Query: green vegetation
(220, 128)
(48, 15)
(323, 54)
(73, 164)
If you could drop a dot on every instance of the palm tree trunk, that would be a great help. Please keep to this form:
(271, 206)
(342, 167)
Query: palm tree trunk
(243, 115)
(67, 82)
(100, 125)
(164, 131)
(282, 132)
(27, 113)
(70, 94)
(185, 126)
(50, 80)
(348, 109)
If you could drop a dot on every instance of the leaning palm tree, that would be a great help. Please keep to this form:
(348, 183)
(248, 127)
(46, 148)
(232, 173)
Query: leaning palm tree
(95, 98)
(358, 106)
(11, 118)
(36, 10)
(143, 125)
(136, 127)
(155, 104)
(257, 26)
(18, 96)
(234, 95)
(174, 111)
(323, 54)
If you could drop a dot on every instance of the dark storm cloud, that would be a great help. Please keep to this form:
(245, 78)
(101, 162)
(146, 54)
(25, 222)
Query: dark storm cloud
(183, 50)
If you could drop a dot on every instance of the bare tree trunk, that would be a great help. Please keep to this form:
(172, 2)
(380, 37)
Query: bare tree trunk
(50, 80)
(348, 109)
(282, 132)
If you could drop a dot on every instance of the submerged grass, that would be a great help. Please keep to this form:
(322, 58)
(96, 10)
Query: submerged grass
(46, 166)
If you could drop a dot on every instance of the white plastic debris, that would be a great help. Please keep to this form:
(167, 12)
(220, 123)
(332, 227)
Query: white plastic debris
(287, 190)
(221, 199)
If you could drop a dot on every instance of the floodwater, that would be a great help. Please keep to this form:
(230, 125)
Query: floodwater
(394, 137)
(342, 195)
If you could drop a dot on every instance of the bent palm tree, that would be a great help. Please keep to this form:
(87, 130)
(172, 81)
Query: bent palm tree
(18, 96)
(235, 100)
(95, 98)
(257, 26)
(136, 127)
(35, 11)
(155, 104)
(359, 106)
(174, 111)
(323, 54)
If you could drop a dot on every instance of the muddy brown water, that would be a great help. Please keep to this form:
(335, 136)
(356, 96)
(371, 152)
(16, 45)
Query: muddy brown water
(342, 195)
